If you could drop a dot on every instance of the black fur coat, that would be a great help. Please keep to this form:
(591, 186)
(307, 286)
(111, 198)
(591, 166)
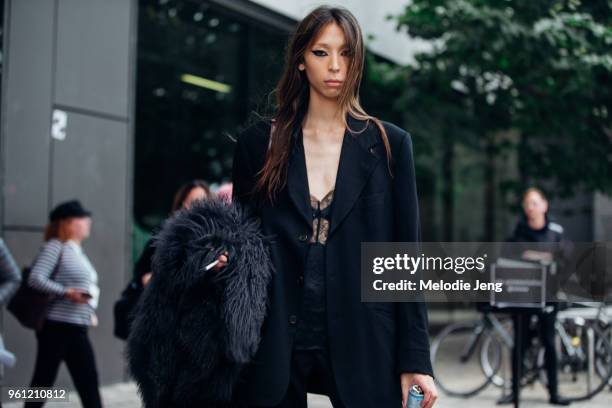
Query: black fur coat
(194, 330)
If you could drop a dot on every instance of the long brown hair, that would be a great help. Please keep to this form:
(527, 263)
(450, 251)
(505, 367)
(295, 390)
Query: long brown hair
(293, 90)
(181, 195)
(57, 229)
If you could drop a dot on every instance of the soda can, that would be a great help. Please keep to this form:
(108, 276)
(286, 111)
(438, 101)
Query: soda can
(415, 396)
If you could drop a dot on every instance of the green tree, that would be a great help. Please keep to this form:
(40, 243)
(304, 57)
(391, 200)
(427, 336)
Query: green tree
(540, 70)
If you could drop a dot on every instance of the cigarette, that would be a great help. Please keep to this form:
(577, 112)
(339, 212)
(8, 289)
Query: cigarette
(211, 265)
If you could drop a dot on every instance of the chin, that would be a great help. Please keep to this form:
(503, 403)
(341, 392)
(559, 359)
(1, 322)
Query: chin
(326, 92)
(331, 94)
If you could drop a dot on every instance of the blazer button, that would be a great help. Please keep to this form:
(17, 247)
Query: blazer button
(292, 319)
(300, 280)
(303, 237)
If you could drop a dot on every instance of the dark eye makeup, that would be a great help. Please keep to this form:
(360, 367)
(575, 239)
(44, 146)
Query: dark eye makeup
(321, 53)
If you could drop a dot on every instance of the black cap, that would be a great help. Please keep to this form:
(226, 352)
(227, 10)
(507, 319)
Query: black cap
(69, 209)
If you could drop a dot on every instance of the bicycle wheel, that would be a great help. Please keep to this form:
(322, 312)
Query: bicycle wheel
(604, 365)
(455, 354)
(582, 373)
(500, 372)
(496, 357)
(492, 359)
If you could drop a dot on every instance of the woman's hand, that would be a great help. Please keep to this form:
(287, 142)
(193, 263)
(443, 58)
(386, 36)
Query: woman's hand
(146, 278)
(76, 295)
(427, 386)
(223, 261)
(538, 256)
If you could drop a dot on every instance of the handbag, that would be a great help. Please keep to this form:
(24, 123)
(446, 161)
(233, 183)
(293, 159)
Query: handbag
(29, 306)
(124, 308)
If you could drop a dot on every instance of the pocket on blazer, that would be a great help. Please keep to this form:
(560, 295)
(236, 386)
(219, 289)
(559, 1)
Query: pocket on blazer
(381, 314)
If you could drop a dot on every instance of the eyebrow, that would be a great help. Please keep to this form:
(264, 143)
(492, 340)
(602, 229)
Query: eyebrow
(325, 45)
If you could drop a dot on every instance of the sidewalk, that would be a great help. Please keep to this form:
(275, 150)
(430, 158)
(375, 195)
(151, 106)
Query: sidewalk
(124, 395)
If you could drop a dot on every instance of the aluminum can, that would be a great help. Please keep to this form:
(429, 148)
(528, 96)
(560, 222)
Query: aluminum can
(415, 396)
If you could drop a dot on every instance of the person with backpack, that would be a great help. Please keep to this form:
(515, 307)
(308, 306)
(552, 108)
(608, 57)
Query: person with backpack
(63, 270)
(188, 193)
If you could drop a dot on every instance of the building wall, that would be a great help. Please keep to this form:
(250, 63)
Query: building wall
(76, 57)
(602, 222)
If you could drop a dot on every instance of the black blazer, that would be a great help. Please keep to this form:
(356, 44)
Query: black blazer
(370, 343)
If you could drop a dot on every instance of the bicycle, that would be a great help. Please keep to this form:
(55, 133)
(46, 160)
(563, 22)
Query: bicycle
(583, 349)
(459, 345)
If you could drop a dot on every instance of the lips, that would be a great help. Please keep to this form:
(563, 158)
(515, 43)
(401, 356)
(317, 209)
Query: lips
(333, 82)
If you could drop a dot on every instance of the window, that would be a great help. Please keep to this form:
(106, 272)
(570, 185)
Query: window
(201, 71)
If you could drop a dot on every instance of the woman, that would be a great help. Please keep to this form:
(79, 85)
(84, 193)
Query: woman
(535, 226)
(323, 179)
(63, 269)
(188, 193)
(185, 196)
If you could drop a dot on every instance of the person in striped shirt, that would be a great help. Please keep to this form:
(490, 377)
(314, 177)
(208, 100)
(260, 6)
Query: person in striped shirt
(63, 269)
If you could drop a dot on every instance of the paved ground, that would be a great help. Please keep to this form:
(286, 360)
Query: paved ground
(123, 395)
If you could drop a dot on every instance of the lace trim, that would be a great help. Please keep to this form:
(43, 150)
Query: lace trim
(325, 201)
(320, 225)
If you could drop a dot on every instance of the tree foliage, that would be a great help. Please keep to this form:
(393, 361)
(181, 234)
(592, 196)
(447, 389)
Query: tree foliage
(539, 68)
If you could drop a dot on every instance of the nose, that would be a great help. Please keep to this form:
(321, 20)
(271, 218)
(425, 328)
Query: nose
(334, 63)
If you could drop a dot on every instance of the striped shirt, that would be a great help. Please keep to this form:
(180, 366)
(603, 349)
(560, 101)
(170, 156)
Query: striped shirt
(10, 275)
(72, 269)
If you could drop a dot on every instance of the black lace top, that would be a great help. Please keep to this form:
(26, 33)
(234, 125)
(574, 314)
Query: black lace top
(311, 329)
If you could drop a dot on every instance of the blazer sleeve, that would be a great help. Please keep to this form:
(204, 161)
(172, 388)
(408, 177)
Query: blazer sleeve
(411, 317)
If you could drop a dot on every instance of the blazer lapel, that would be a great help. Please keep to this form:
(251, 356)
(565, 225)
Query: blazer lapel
(357, 161)
(297, 178)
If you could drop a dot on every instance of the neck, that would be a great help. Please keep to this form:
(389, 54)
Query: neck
(76, 240)
(536, 223)
(323, 114)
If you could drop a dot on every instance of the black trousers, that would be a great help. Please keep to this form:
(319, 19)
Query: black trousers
(310, 372)
(67, 342)
(546, 331)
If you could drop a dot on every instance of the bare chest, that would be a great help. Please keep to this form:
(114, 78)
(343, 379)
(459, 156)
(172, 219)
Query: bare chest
(322, 159)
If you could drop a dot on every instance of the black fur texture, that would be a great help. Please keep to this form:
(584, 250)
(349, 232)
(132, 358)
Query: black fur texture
(194, 330)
